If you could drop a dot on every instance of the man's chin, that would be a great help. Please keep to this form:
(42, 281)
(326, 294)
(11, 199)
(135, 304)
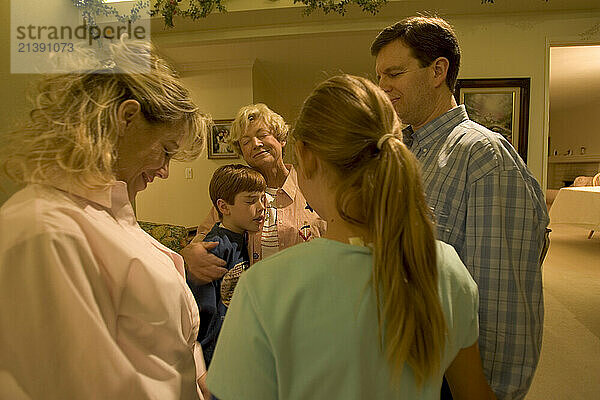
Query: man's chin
(261, 163)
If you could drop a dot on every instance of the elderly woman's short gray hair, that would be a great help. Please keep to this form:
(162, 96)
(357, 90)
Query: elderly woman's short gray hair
(73, 128)
(252, 113)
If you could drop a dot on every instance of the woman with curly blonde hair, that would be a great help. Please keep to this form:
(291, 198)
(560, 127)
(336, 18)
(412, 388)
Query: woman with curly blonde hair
(92, 306)
(376, 309)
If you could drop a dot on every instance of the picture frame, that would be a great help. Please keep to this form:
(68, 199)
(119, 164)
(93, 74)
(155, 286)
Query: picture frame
(217, 140)
(501, 105)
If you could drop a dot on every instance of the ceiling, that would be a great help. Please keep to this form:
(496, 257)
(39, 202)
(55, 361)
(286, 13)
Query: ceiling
(295, 52)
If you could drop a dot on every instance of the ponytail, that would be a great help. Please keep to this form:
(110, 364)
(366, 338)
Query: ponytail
(405, 277)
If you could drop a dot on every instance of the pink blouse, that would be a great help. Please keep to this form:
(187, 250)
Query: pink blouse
(91, 307)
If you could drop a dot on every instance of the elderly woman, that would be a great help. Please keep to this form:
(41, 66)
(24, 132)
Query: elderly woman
(259, 135)
(376, 310)
(91, 306)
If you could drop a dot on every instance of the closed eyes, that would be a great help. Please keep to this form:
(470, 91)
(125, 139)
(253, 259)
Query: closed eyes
(392, 74)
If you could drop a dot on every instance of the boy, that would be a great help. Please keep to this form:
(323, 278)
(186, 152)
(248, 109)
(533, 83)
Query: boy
(237, 192)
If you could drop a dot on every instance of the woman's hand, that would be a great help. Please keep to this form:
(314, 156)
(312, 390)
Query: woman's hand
(203, 267)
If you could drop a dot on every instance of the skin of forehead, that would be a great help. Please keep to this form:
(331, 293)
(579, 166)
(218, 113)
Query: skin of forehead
(249, 194)
(261, 128)
(399, 64)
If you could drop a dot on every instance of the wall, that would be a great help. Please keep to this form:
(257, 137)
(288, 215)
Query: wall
(515, 46)
(13, 88)
(562, 174)
(265, 91)
(494, 46)
(263, 88)
(571, 129)
(219, 92)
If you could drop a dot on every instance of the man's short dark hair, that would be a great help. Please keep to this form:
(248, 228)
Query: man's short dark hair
(428, 38)
(231, 179)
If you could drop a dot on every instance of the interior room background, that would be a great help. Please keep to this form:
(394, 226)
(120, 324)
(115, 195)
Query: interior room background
(267, 51)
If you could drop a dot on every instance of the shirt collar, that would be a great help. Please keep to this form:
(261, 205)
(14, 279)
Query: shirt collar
(290, 185)
(233, 236)
(112, 196)
(433, 130)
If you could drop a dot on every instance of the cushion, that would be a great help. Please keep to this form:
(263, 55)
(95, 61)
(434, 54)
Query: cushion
(175, 237)
(583, 181)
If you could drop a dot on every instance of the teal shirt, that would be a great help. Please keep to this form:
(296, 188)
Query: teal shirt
(302, 324)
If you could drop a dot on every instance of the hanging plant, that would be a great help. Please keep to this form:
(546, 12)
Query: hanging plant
(90, 9)
(202, 8)
(339, 7)
(491, 1)
(196, 9)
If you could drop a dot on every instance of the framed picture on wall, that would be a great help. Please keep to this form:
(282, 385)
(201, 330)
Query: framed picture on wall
(501, 105)
(217, 140)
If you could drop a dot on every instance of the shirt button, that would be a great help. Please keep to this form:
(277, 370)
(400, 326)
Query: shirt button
(425, 150)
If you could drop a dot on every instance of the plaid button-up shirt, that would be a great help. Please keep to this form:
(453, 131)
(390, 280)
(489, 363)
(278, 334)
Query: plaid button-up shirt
(491, 209)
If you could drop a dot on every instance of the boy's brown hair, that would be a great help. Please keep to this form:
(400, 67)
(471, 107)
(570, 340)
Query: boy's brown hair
(229, 180)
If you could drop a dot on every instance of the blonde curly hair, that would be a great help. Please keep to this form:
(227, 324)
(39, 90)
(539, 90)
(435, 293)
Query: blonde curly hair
(252, 113)
(72, 130)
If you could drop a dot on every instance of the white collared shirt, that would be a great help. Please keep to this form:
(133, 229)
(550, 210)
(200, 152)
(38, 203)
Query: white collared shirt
(91, 307)
(269, 241)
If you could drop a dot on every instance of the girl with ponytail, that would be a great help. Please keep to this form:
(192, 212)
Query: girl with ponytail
(377, 308)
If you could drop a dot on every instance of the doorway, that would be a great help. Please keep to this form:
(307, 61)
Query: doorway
(573, 114)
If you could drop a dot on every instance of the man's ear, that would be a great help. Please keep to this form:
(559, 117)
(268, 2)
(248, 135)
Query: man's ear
(307, 161)
(440, 71)
(223, 207)
(126, 113)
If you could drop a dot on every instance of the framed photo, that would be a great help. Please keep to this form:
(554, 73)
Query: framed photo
(217, 140)
(501, 105)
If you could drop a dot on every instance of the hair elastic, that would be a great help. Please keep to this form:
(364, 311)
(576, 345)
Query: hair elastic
(383, 139)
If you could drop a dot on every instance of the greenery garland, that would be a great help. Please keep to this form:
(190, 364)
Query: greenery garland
(202, 8)
(491, 1)
(339, 7)
(90, 9)
(197, 9)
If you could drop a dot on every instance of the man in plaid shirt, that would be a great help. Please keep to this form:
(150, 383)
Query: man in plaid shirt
(486, 202)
